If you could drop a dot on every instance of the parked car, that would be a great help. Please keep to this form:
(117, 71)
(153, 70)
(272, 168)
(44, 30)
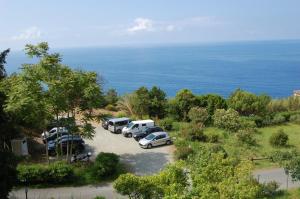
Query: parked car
(117, 124)
(54, 130)
(136, 126)
(78, 144)
(155, 139)
(62, 121)
(105, 121)
(140, 135)
(54, 136)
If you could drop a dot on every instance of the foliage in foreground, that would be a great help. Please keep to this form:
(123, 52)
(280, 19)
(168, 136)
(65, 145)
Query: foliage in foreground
(215, 176)
(105, 165)
(8, 173)
(169, 183)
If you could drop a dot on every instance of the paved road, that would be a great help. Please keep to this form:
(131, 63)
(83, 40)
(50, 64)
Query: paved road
(84, 192)
(139, 161)
(277, 175)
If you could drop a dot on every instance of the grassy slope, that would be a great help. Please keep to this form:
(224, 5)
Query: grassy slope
(262, 149)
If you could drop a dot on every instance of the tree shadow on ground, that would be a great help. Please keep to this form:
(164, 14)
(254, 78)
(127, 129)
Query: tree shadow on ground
(145, 163)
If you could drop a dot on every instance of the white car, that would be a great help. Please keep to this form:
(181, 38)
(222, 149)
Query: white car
(136, 126)
(155, 139)
(53, 130)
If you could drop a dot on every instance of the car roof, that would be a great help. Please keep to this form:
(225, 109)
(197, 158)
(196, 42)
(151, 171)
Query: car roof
(119, 119)
(153, 127)
(160, 133)
(142, 121)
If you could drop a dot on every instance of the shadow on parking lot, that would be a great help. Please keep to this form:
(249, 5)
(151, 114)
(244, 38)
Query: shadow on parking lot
(145, 163)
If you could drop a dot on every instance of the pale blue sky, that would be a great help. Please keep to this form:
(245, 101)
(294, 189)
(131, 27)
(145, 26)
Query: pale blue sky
(72, 23)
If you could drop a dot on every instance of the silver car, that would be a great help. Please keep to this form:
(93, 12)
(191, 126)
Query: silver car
(155, 139)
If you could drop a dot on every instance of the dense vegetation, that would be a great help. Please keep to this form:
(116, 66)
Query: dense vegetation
(106, 166)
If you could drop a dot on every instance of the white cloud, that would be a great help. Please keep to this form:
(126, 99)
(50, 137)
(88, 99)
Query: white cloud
(28, 34)
(141, 24)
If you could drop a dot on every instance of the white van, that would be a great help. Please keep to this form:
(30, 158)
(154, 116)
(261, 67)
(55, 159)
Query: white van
(116, 125)
(136, 126)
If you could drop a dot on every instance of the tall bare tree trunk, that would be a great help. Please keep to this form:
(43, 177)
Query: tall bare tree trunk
(69, 131)
(47, 153)
(57, 126)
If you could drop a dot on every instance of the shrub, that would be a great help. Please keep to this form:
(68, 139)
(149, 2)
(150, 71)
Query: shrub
(166, 124)
(295, 118)
(198, 115)
(106, 164)
(59, 172)
(246, 136)
(111, 107)
(99, 197)
(194, 132)
(218, 149)
(270, 189)
(121, 114)
(183, 152)
(55, 173)
(227, 119)
(279, 139)
(279, 119)
(212, 137)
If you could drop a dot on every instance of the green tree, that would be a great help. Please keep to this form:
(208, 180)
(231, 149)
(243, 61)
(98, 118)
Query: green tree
(111, 96)
(141, 101)
(211, 102)
(214, 176)
(158, 102)
(169, 183)
(3, 56)
(227, 119)
(8, 161)
(8, 173)
(198, 115)
(181, 104)
(248, 103)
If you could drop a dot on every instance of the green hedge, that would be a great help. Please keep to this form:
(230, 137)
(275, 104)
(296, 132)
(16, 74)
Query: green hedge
(105, 165)
(55, 173)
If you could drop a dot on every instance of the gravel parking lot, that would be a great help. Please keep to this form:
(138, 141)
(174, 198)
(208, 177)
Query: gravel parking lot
(139, 161)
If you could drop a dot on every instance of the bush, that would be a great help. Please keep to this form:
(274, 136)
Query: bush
(111, 107)
(198, 115)
(182, 153)
(279, 139)
(55, 173)
(227, 119)
(105, 165)
(270, 189)
(246, 136)
(212, 137)
(121, 114)
(194, 132)
(279, 119)
(166, 124)
(295, 118)
(218, 149)
(99, 197)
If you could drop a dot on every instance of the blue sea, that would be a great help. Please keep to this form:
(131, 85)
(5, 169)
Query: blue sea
(271, 67)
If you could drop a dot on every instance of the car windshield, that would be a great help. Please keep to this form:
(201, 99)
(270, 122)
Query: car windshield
(150, 137)
(130, 125)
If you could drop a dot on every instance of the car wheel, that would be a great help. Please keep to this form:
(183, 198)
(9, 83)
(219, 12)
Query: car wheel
(168, 142)
(119, 131)
(149, 146)
(129, 135)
